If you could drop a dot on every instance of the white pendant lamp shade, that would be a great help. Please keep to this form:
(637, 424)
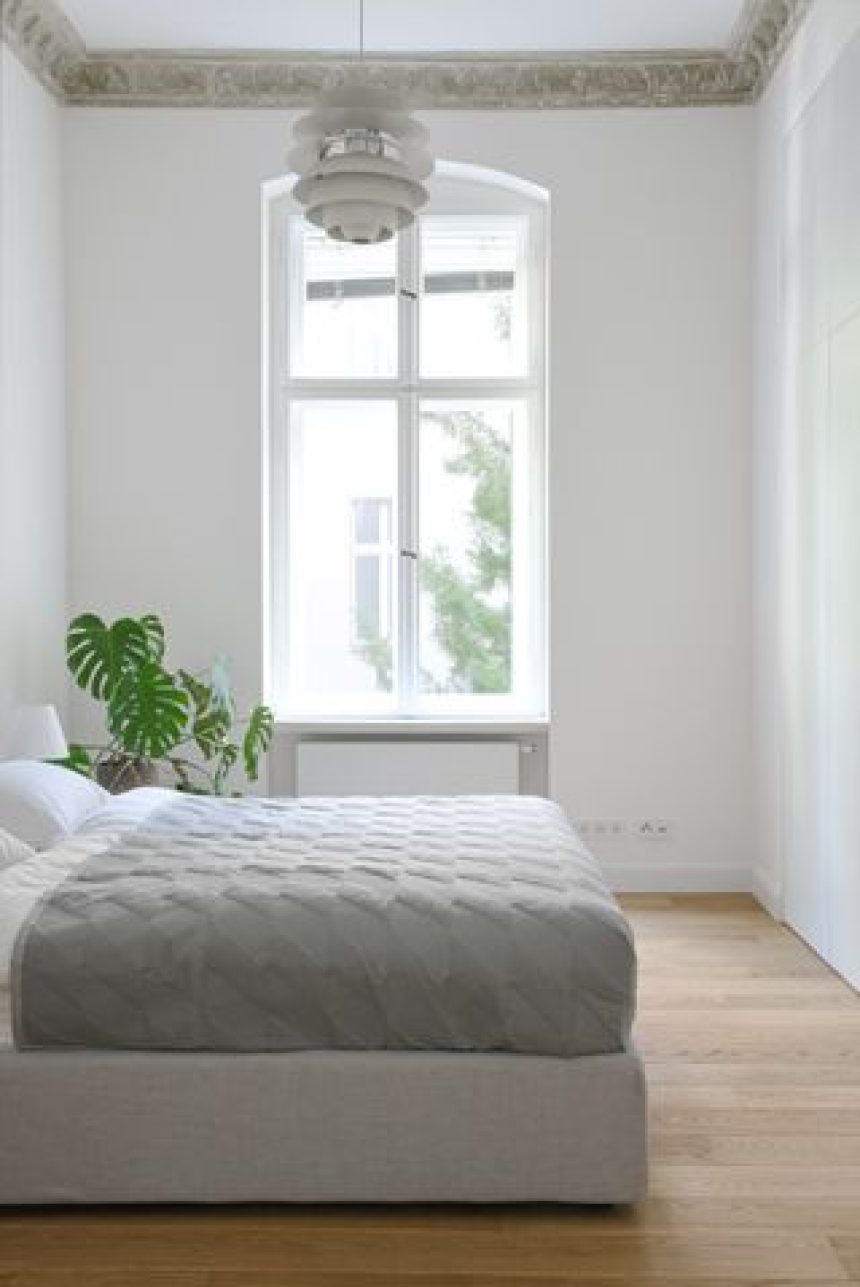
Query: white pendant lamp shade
(361, 161)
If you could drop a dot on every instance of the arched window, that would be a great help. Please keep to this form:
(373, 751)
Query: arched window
(407, 460)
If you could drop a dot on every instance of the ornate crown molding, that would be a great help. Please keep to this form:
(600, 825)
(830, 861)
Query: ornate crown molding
(766, 29)
(46, 41)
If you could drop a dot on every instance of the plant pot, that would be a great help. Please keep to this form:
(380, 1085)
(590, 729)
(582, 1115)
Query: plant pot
(124, 772)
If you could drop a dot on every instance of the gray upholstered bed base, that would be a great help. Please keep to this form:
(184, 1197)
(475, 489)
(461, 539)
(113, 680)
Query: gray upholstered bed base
(321, 1127)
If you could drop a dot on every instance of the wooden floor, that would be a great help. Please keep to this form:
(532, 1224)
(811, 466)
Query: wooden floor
(753, 1051)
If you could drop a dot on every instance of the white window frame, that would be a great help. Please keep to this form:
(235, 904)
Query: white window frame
(457, 190)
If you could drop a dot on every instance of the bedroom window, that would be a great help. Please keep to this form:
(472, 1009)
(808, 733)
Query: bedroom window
(407, 462)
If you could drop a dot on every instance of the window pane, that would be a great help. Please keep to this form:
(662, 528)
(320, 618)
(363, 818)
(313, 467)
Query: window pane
(466, 488)
(367, 607)
(344, 307)
(473, 299)
(366, 520)
(343, 464)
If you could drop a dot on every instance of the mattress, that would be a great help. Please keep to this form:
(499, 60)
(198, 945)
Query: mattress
(470, 924)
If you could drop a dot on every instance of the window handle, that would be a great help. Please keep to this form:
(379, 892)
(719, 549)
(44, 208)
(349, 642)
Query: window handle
(410, 294)
(409, 554)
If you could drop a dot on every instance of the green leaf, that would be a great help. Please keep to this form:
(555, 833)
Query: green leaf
(211, 729)
(212, 721)
(148, 711)
(78, 760)
(200, 693)
(227, 757)
(153, 628)
(472, 599)
(258, 737)
(98, 655)
(183, 781)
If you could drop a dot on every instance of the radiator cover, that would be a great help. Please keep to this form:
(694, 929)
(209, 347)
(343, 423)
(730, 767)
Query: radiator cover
(356, 767)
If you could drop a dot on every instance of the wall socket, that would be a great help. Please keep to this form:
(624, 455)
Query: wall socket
(652, 829)
(623, 828)
(602, 828)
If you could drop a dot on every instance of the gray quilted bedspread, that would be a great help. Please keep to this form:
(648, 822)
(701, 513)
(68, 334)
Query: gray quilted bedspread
(471, 923)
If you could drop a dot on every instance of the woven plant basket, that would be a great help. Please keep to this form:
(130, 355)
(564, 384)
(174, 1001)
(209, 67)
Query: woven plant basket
(123, 773)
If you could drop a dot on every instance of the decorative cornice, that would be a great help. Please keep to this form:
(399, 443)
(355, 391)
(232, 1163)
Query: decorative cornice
(48, 43)
(272, 81)
(44, 40)
(766, 29)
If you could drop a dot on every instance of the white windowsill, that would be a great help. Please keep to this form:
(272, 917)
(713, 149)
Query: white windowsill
(369, 726)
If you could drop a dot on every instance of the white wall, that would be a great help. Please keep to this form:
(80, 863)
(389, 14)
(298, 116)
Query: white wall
(807, 451)
(32, 394)
(650, 430)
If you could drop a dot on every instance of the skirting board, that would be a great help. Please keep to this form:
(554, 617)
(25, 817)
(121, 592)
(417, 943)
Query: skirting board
(769, 893)
(677, 878)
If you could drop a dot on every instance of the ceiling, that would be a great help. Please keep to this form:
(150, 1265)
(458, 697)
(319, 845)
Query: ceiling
(406, 26)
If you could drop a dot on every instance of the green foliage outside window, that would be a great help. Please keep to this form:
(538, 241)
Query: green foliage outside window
(471, 604)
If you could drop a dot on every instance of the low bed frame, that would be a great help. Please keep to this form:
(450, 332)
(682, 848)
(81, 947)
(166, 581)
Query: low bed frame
(93, 1126)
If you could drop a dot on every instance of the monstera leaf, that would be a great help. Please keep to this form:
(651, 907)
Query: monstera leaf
(99, 655)
(258, 736)
(211, 720)
(148, 711)
(79, 760)
(154, 630)
(211, 730)
(227, 757)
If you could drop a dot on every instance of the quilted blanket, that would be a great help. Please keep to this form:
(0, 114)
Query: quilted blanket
(464, 924)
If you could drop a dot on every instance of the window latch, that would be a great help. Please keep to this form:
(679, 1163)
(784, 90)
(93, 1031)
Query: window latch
(409, 554)
(410, 294)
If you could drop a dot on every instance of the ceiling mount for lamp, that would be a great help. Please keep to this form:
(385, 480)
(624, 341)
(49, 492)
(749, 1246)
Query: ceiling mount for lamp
(361, 160)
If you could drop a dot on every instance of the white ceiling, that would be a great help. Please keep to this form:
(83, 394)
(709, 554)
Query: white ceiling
(406, 26)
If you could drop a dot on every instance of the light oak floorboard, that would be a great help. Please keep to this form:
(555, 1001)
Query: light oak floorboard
(753, 1053)
(848, 1251)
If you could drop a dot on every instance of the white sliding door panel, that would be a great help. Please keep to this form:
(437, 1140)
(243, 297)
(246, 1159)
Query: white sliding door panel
(821, 555)
(806, 889)
(842, 814)
(844, 224)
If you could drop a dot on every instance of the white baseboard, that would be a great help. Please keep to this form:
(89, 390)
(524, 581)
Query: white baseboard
(769, 894)
(677, 878)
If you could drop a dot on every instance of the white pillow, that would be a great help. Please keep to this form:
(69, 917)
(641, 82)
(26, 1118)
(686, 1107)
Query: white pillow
(12, 850)
(41, 803)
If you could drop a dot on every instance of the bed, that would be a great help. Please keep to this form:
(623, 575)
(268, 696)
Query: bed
(359, 1000)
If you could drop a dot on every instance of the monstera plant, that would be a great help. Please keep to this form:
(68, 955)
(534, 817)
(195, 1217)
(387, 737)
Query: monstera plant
(156, 717)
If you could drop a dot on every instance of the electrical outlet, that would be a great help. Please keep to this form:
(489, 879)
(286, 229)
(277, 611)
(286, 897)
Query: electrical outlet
(652, 829)
(601, 828)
